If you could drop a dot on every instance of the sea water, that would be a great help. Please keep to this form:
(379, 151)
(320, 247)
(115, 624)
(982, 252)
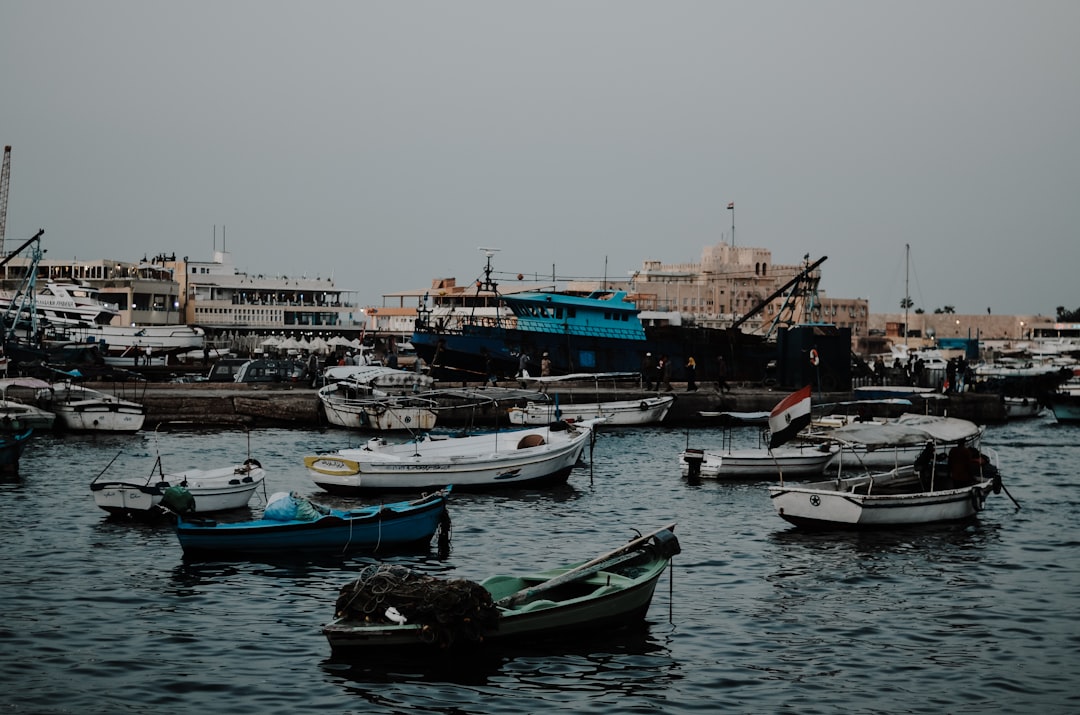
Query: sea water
(105, 616)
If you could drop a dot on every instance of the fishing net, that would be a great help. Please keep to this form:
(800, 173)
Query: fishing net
(447, 611)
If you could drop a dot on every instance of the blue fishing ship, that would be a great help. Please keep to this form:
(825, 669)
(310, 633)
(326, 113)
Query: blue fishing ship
(600, 332)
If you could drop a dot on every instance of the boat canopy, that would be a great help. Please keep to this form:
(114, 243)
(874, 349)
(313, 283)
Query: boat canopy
(908, 429)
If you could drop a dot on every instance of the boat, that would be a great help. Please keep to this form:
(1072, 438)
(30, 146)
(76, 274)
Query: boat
(362, 400)
(1065, 404)
(292, 525)
(879, 453)
(210, 490)
(785, 420)
(809, 460)
(1021, 407)
(79, 408)
(933, 490)
(12, 445)
(390, 608)
(64, 305)
(531, 457)
(644, 411)
(17, 415)
(191, 491)
(598, 332)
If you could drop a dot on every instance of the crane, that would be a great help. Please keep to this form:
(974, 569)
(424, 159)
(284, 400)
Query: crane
(5, 181)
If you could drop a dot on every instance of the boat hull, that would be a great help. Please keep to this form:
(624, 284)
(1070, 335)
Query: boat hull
(386, 527)
(1066, 408)
(516, 458)
(833, 505)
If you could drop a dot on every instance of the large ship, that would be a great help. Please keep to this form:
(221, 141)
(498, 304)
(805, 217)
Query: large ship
(600, 332)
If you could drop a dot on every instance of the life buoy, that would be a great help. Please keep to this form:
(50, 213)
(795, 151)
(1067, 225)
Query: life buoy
(814, 357)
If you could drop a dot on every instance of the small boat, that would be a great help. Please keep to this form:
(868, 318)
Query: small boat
(808, 460)
(537, 456)
(648, 410)
(785, 420)
(291, 524)
(211, 490)
(1065, 406)
(201, 491)
(356, 404)
(12, 445)
(82, 409)
(17, 415)
(927, 492)
(1021, 407)
(392, 608)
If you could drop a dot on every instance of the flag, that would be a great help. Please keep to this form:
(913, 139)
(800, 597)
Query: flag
(789, 416)
(731, 205)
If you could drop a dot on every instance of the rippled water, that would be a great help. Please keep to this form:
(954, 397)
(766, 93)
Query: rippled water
(100, 616)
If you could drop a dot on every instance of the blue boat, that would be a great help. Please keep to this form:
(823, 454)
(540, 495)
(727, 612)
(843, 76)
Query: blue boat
(307, 528)
(601, 332)
(12, 444)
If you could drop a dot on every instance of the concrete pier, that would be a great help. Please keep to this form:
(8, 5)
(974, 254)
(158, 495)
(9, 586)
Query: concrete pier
(298, 405)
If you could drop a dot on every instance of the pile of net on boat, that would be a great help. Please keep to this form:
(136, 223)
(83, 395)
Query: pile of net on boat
(447, 610)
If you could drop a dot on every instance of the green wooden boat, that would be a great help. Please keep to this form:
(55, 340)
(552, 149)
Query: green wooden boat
(390, 607)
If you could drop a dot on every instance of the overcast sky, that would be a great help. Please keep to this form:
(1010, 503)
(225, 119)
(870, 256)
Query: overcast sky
(383, 142)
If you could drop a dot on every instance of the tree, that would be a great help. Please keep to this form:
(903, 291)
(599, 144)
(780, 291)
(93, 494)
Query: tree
(1067, 316)
(906, 303)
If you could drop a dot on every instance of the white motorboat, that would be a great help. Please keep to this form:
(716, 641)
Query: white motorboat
(929, 491)
(17, 414)
(808, 460)
(538, 456)
(648, 410)
(82, 409)
(1021, 407)
(66, 305)
(212, 490)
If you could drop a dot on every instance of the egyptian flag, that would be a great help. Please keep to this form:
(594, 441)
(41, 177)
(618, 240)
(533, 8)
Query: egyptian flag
(789, 416)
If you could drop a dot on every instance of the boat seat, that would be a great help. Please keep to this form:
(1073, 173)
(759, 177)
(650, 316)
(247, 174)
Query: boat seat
(530, 440)
(537, 605)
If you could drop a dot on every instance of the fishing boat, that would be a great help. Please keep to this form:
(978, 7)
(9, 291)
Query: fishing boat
(211, 490)
(808, 460)
(598, 332)
(292, 525)
(79, 408)
(1065, 405)
(936, 488)
(362, 401)
(390, 608)
(532, 457)
(644, 411)
(12, 445)
(17, 414)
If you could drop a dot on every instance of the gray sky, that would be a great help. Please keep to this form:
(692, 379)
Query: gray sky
(383, 142)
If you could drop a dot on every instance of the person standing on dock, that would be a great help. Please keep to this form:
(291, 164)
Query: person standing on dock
(648, 372)
(691, 374)
(721, 374)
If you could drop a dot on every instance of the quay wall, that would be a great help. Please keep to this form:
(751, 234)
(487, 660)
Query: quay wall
(293, 405)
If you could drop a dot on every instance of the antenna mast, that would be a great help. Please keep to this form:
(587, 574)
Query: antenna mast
(5, 182)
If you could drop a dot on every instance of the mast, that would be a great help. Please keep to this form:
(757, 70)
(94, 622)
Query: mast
(907, 292)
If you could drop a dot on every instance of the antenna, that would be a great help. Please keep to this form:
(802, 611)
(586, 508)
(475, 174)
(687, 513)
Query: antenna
(489, 252)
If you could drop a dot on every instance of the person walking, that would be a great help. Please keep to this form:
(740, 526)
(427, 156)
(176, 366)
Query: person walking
(691, 374)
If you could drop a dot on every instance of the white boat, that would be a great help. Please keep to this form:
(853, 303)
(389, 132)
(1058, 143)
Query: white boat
(809, 460)
(926, 492)
(211, 490)
(362, 400)
(79, 408)
(66, 305)
(538, 456)
(1021, 407)
(647, 410)
(16, 414)
(139, 344)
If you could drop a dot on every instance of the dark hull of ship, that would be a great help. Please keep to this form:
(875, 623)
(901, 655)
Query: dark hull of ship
(465, 355)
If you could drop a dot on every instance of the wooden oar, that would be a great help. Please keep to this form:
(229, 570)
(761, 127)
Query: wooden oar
(579, 572)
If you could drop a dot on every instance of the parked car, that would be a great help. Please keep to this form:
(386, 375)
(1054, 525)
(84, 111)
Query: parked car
(225, 369)
(271, 371)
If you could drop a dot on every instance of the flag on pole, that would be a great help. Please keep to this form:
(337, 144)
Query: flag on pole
(731, 205)
(789, 416)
